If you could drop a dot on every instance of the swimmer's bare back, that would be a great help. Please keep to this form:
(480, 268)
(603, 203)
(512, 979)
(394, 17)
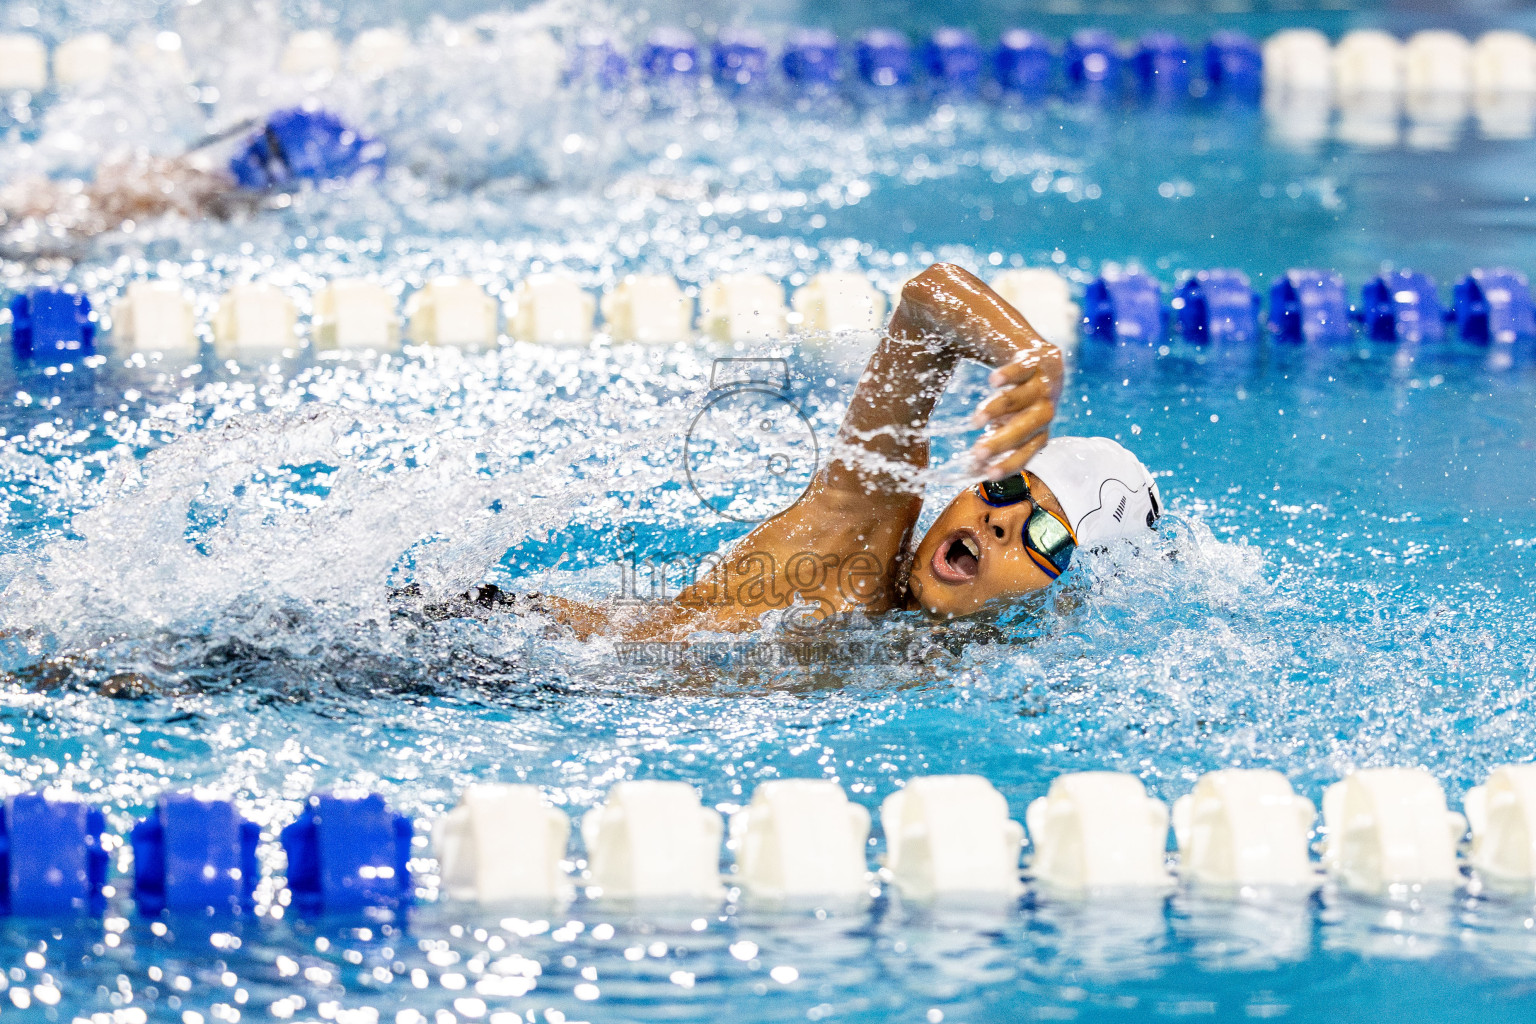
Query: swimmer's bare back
(843, 546)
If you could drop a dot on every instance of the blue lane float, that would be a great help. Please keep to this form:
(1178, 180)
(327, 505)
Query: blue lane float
(1092, 59)
(348, 853)
(1493, 307)
(740, 60)
(952, 62)
(52, 324)
(1162, 65)
(1309, 306)
(51, 857)
(884, 58)
(1404, 306)
(1234, 65)
(1127, 307)
(596, 59)
(812, 57)
(194, 856)
(669, 53)
(952, 59)
(1218, 307)
(1024, 63)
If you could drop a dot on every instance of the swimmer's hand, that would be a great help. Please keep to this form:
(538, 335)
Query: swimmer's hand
(953, 307)
(1017, 418)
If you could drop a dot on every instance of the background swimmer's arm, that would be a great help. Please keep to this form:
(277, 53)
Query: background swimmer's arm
(140, 189)
(947, 314)
(136, 189)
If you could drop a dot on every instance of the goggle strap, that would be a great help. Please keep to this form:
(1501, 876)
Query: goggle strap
(1045, 564)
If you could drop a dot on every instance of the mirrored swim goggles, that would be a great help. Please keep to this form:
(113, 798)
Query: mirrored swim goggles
(1048, 540)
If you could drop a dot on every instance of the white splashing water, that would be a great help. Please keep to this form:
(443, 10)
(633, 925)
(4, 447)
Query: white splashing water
(315, 507)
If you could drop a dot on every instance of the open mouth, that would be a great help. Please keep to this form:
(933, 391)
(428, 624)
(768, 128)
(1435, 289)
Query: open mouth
(958, 558)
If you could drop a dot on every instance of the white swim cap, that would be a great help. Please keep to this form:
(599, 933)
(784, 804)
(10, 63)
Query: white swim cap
(1105, 490)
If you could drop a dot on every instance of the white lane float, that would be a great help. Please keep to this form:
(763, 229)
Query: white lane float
(254, 319)
(376, 52)
(1436, 61)
(551, 309)
(1435, 119)
(743, 307)
(311, 52)
(1504, 62)
(84, 59)
(453, 311)
(1098, 830)
(1298, 119)
(647, 308)
(1506, 115)
(503, 843)
(951, 835)
(354, 314)
(1390, 827)
(155, 316)
(835, 301)
(1045, 299)
(1298, 60)
(801, 838)
(1502, 813)
(653, 840)
(1437, 69)
(1244, 827)
(23, 62)
(1368, 61)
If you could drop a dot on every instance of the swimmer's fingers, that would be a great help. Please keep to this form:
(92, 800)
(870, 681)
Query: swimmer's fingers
(1014, 399)
(1009, 443)
(1007, 433)
(1014, 462)
(1042, 361)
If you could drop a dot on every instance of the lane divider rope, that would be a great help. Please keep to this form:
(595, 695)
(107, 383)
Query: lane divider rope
(948, 63)
(1488, 306)
(945, 835)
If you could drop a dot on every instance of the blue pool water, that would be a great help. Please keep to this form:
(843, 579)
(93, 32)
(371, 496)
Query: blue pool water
(1346, 580)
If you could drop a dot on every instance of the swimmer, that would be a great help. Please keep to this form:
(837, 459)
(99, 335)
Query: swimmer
(846, 545)
(41, 217)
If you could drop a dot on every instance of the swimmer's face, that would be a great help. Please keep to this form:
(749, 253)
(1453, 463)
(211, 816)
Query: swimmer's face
(974, 555)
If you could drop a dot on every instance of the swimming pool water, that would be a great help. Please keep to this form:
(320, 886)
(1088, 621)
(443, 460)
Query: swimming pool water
(1346, 580)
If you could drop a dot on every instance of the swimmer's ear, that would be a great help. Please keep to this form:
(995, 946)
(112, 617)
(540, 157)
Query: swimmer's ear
(1155, 513)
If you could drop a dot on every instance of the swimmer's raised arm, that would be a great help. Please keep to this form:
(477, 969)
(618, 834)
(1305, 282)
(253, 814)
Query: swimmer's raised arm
(947, 314)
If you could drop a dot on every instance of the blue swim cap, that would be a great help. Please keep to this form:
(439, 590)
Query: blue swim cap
(298, 145)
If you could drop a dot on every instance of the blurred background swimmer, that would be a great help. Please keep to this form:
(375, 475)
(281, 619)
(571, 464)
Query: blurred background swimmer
(288, 150)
